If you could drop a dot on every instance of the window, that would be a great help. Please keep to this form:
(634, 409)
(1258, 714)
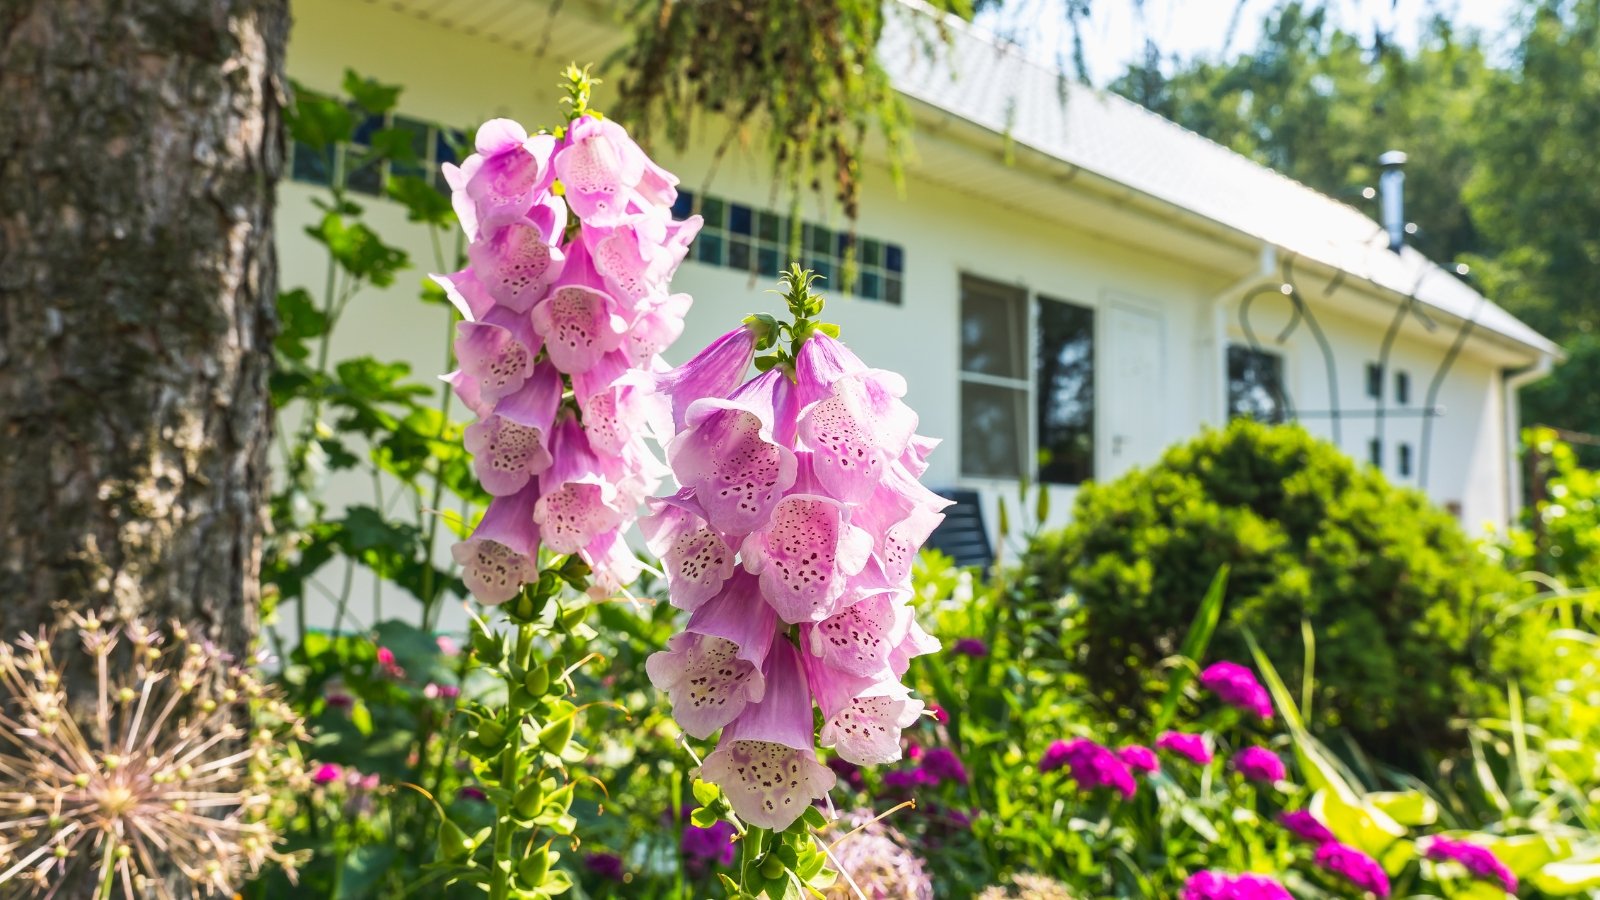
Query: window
(1404, 466)
(1374, 381)
(1255, 385)
(1375, 452)
(994, 379)
(1402, 388)
(741, 237)
(1025, 413)
(431, 144)
(1065, 392)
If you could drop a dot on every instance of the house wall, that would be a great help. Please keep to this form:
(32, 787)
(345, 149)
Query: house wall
(946, 231)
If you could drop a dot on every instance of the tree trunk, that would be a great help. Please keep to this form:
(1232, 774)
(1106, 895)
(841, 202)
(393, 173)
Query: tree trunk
(140, 145)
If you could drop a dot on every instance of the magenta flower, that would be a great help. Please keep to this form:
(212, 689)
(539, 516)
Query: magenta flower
(941, 765)
(1479, 861)
(1092, 766)
(970, 647)
(327, 773)
(447, 645)
(336, 698)
(1353, 866)
(939, 715)
(387, 664)
(1213, 885)
(1139, 759)
(1305, 826)
(1196, 748)
(1237, 686)
(1259, 764)
(606, 865)
(905, 780)
(709, 845)
(441, 691)
(475, 794)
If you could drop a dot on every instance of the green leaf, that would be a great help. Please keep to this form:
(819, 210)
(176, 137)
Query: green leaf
(706, 793)
(358, 249)
(763, 363)
(394, 144)
(319, 122)
(423, 204)
(299, 320)
(1194, 647)
(370, 94)
(363, 868)
(1411, 808)
(1567, 879)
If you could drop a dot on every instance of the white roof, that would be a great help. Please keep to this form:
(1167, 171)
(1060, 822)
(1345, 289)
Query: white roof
(989, 84)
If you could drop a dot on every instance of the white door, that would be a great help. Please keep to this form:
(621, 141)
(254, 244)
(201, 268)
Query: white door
(1135, 397)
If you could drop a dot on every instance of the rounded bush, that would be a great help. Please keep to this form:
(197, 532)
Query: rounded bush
(1402, 603)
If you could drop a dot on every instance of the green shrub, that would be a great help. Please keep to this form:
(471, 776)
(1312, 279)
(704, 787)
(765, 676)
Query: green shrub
(1401, 600)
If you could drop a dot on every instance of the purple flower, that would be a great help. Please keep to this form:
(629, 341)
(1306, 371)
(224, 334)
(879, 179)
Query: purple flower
(970, 647)
(1193, 747)
(327, 773)
(1259, 764)
(905, 779)
(606, 865)
(847, 771)
(441, 691)
(941, 764)
(1237, 686)
(338, 699)
(1305, 826)
(470, 792)
(1480, 862)
(713, 844)
(1139, 759)
(1213, 885)
(447, 645)
(1353, 866)
(1092, 765)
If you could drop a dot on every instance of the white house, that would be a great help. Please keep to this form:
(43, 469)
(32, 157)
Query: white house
(1063, 271)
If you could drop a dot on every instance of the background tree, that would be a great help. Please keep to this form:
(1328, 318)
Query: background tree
(140, 145)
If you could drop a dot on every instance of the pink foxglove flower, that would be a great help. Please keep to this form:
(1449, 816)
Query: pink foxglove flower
(1237, 686)
(559, 350)
(1212, 885)
(799, 515)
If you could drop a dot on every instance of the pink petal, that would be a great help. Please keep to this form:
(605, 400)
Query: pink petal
(579, 326)
(705, 679)
(860, 639)
(727, 455)
(867, 731)
(495, 356)
(806, 555)
(696, 559)
(714, 372)
(466, 293)
(769, 785)
(856, 431)
(517, 263)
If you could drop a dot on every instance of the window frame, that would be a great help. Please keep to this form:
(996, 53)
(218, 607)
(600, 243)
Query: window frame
(1286, 361)
(1028, 450)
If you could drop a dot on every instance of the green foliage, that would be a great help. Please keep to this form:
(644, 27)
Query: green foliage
(809, 73)
(1403, 603)
(1559, 536)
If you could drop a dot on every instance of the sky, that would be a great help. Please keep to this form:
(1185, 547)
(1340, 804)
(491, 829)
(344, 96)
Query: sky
(1115, 34)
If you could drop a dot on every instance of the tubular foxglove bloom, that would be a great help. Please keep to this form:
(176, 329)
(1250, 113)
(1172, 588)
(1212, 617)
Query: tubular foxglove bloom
(567, 308)
(799, 515)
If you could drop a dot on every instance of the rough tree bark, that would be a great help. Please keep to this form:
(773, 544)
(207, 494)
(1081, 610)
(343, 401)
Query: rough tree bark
(140, 143)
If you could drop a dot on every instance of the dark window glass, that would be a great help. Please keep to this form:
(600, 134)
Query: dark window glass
(1065, 392)
(768, 226)
(993, 427)
(712, 209)
(1405, 460)
(740, 219)
(365, 128)
(891, 290)
(1374, 380)
(768, 261)
(1255, 385)
(820, 240)
(871, 253)
(683, 207)
(444, 145)
(893, 258)
(1402, 388)
(363, 174)
(313, 166)
(739, 254)
(871, 286)
(1375, 452)
(419, 147)
(845, 241)
(708, 249)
